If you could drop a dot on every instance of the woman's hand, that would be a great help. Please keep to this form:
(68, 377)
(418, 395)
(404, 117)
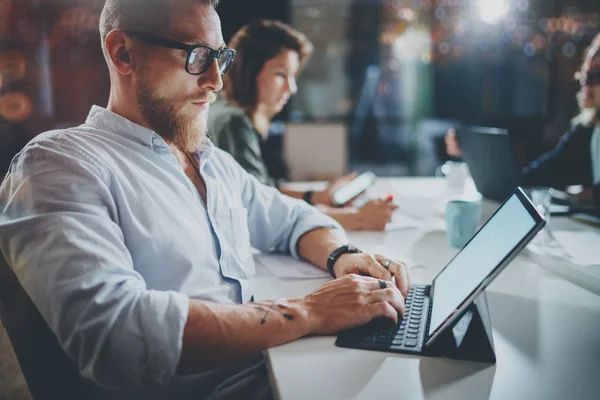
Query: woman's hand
(452, 147)
(375, 215)
(325, 197)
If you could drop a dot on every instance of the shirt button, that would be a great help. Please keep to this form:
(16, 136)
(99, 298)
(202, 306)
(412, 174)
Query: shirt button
(156, 141)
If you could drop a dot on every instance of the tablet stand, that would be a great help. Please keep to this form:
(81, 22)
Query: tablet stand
(470, 338)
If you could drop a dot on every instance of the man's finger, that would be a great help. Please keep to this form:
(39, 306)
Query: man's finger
(383, 309)
(399, 270)
(372, 284)
(376, 270)
(391, 295)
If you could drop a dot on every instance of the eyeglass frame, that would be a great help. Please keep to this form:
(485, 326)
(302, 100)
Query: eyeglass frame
(189, 48)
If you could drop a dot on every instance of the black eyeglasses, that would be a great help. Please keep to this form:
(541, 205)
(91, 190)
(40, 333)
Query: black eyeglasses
(591, 78)
(199, 57)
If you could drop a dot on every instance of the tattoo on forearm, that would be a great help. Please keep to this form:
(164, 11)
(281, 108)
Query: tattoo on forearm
(287, 316)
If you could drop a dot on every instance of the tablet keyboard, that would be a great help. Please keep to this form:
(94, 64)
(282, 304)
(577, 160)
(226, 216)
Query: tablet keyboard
(407, 335)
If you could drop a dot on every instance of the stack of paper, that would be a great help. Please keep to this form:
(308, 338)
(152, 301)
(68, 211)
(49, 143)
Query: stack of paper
(283, 266)
(582, 247)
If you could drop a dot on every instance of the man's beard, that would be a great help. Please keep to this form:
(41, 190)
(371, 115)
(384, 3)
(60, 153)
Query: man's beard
(187, 134)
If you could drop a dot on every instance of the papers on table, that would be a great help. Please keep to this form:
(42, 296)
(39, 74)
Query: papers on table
(582, 247)
(283, 266)
(287, 267)
(401, 220)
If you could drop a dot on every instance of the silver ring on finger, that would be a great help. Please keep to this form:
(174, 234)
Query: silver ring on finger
(382, 284)
(386, 264)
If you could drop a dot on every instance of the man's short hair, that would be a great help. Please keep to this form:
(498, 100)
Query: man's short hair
(255, 44)
(141, 15)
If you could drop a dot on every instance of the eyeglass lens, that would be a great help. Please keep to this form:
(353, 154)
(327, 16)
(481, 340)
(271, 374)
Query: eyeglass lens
(201, 58)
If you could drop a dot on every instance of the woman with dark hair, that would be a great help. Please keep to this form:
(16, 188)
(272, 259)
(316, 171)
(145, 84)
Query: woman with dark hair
(260, 81)
(576, 158)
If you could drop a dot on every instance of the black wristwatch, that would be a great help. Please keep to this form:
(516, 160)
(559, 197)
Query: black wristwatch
(346, 249)
(308, 196)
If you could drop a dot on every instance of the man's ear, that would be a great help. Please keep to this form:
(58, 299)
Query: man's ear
(118, 47)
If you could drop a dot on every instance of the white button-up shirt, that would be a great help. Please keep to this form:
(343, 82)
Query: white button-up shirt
(110, 238)
(595, 150)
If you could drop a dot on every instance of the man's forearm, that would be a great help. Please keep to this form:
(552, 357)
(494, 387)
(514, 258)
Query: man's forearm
(216, 335)
(316, 245)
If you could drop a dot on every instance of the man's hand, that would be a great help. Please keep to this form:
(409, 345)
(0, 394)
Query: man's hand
(373, 265)
(349, 302)
(325, 197)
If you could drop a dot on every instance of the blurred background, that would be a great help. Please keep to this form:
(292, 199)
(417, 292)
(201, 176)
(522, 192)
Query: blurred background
(386, 81)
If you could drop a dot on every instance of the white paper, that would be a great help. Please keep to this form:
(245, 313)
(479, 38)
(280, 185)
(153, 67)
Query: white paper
(401, 220)
(288, 267)
(582, 247)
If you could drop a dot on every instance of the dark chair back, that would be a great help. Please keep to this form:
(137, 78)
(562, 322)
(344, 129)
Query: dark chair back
(48, 371)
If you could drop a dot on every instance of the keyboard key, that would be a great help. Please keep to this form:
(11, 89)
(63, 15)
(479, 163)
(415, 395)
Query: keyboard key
(411, 336)
(411, 343)
(397, 341)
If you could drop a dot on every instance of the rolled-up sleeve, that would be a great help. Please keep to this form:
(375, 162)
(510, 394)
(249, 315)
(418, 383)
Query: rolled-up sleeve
(276, 222)
(59, 232)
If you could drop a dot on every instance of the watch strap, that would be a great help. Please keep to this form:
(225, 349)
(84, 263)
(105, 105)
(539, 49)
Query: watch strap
(337, 253)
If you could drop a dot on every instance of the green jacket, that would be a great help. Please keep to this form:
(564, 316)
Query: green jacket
(232, 130)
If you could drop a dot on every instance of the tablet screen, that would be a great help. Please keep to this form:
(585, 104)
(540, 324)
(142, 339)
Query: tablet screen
(478, 259)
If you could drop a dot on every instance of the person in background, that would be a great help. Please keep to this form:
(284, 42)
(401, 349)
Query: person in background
(261, 80)
(576, 158)
(132, 233)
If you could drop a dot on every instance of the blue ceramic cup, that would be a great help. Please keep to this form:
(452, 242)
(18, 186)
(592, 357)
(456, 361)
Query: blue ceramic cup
(462, 219)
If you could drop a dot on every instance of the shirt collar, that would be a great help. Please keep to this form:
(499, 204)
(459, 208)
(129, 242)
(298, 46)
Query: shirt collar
(101, 118)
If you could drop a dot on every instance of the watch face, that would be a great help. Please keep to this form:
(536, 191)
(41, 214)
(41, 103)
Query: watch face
(353, 249)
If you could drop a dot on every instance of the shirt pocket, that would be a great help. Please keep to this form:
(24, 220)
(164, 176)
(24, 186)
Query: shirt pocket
(235, 227)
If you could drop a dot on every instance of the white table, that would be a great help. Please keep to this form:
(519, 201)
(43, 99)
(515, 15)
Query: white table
(546, 329)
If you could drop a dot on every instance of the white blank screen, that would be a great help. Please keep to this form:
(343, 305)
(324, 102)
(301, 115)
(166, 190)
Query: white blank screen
(479, 258)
